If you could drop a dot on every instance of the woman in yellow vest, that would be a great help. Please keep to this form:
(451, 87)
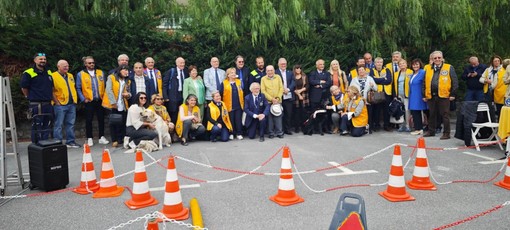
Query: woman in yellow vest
(506, 77)
(355, 114)
(495, 87)
(116, 100)
(189, 123)
(337, 102)
(233, 98)
(218, 121)
(401, 90)
(158, 107)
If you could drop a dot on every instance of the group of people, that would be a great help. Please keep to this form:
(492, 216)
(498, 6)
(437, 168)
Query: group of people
(236, 102)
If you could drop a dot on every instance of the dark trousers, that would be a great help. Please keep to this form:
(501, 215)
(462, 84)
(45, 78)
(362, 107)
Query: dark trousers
(256, 124)
(439, 107)
(91, 108)
(498, 111)
(417, 119)
(188, 131)
(345, 124)
(137, 135)
(299, 115)
(370, 109)
(377, 110)
(474, 95)
(236, 119)
(42, 116)
(119, 131)
(287, 115)
(222, 132)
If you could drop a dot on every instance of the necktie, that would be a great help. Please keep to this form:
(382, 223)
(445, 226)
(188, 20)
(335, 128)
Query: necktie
(180, 80)
(217, 79)
(256, 101)
(395, 68)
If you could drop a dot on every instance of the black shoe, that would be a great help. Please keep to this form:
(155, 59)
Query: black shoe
(280, 136)
(184, 143)
(328, 132)
(261, 139)
(213, 140)
(288, 132)
(271, 136)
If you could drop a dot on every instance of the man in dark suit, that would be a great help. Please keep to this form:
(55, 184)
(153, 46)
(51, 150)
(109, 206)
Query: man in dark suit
(140, 82)
(173, 83)
(319, 81)
(243, 74)
(256, 109)
(288, 94)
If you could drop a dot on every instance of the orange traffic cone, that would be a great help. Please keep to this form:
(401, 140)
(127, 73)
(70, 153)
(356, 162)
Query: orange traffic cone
(505, 183)
(286, 192)
(152, 225)
(396, 190)
(421, 178)
(107, 186)
(172, 207)
(88, 183)
(141, 196)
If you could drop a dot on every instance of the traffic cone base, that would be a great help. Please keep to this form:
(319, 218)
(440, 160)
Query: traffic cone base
(112, 192)
(396, 198)
(85, 191)
(133, 205)
(505, 183)
(183, 214)
(502, 184)
(421, 184)
(286, 201)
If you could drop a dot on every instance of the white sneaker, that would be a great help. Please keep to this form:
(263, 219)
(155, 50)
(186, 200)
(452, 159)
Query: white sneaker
(239, 137)
(417, 132)
(126, 142)
(90, 142)
(130, 151)
(103, 140)
(132, 145)
(231, 137)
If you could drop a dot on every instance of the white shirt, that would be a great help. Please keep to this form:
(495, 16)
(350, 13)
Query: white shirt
(120, 100)
(284, 77)
(154, 78)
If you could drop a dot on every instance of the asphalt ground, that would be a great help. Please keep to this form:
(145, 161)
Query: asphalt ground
(234, 200)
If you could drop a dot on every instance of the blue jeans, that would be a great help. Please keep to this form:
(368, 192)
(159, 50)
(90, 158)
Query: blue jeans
(42, 115)
(223, 133)
(474, 95)
(64, 115)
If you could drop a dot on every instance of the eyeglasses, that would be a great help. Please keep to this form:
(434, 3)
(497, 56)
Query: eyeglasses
(90, 63)
(435, 58)
(298, 67)
(159, 99)
(143, 98)
(240, 61)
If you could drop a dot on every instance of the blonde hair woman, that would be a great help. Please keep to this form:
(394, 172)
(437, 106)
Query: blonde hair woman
(338, 76)
(355, 115)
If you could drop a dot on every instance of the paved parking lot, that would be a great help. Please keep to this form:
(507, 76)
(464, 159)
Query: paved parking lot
(230, 199)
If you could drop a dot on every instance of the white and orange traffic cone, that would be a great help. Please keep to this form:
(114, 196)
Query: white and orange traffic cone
(152, 224)
(421, 177)
(286, 191)
(172, 205)
(396, 190)
(88, 182)
(141, 196)
(505, 183)
(107, 186)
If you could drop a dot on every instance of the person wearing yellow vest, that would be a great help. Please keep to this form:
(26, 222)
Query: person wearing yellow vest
(334, 106)
(37, 86)
(494, 87)
(233, 98)
(353, 74)
(189, 123)
(218, 121)
(401, 91)
(116, 100)
(365, 84)
(440, 87)
(354, 114)
(393, 65)
(384, 79)
(90, 85)
(64, 99)
(506, 77)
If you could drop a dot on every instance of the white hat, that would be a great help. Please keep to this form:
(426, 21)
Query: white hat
(276, 109)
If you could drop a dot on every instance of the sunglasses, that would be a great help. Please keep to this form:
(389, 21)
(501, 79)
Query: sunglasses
(143, 98)
(40, 54)
(159, 99)
(437, 58)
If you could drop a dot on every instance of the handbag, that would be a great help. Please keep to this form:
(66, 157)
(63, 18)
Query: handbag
(375, 97)
(115, 119)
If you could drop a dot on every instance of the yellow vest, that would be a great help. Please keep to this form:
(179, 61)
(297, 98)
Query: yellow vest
(163, 113)
(500, 89)
(382, 88)
(115, 87)
(334, 101)
(178, 125)
(409, 73)
(227, 94)
(86, 84)
(445, 81)
(60, 89)
(362, 119)
(214, 112)
(354, 72)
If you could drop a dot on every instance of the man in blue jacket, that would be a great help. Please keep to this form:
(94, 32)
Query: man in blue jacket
(256, 109)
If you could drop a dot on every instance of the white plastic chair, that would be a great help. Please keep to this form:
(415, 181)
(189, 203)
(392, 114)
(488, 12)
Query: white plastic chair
(483, 107)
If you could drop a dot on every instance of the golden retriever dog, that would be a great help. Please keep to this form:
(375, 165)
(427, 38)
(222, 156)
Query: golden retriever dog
(150, 116)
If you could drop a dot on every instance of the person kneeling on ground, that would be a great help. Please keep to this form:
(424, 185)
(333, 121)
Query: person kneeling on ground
(136, 129)
(218, 121)
(355, 115)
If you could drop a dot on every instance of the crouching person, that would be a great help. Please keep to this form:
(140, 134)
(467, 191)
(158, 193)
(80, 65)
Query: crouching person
(355, 114)
(218, 121)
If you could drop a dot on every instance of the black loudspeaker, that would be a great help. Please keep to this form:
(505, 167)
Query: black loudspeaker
(48, 165)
